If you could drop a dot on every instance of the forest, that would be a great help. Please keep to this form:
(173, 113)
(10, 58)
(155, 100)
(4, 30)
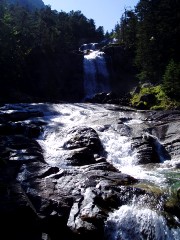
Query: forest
(151, 32)
(39, 58)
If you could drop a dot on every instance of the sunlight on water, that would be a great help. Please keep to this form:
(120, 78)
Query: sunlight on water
(63, 117)
(130, 222)
(96, 76)
(121, 155)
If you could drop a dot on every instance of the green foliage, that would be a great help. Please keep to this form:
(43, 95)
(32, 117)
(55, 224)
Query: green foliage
(151, 31)
(171, 80)
(157, 36)
(162, 101)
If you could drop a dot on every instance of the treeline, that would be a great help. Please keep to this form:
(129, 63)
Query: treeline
(151, 31)
(30, 4)
(36, 50)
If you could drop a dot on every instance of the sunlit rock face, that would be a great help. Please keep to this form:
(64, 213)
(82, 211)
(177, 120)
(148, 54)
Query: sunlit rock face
(83, 171)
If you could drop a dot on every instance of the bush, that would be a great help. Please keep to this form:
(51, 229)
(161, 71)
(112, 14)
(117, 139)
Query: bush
(161, 100)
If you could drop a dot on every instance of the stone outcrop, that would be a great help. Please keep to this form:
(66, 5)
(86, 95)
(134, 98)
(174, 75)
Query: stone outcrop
(110, 98)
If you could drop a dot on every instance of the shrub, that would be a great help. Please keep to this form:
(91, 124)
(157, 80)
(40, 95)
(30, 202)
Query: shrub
(161, 100)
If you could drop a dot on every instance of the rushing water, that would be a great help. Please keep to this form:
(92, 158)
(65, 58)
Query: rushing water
(96, 75)
(139, 219)
(131, 221)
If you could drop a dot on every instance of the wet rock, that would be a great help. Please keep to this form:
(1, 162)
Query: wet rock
(98, 98)
(22, 148)
(84, 137)
(86, 218)
(77, 199)
(166, 126)
(146, 150)
(110, 98)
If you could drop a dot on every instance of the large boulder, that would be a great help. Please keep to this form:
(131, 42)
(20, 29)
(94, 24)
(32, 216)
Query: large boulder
(77, 199)
(83, 137)
(84, 145)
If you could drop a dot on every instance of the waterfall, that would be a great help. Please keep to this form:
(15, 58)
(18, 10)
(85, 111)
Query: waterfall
(96, 76)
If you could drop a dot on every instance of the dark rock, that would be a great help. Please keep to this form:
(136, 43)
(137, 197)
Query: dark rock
(110, 98)
(150, 98)
(33, 131)
(5, 129)
(79, 200)
(21, 116)
(20, 148)
(81, 156)
(84, 137)
(146, 150)
(178, 193)
(19, 219)
(98, 98)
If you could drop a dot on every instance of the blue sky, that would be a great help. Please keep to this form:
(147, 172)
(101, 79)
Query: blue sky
(105, 13)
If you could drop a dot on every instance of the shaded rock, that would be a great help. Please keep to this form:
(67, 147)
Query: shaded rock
(29, 130)
(84, 137)
(32, 131)
(110, 98)
(98, 98)
(150, 99)
(146, 150)
(20, 148)
(35, 170)
(20, 116)
(18, 215)
(23, 149)
(81, 156)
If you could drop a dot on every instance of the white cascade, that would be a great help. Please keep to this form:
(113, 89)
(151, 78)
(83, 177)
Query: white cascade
(130, 222)
(96, 75)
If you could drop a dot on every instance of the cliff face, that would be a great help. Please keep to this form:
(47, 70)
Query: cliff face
(121, 68)
(31, 4)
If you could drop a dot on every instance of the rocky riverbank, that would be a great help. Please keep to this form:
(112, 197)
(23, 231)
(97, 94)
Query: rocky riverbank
(43, 201)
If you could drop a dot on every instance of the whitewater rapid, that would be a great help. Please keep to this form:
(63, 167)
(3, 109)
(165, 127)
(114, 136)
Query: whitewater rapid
(136, 219)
